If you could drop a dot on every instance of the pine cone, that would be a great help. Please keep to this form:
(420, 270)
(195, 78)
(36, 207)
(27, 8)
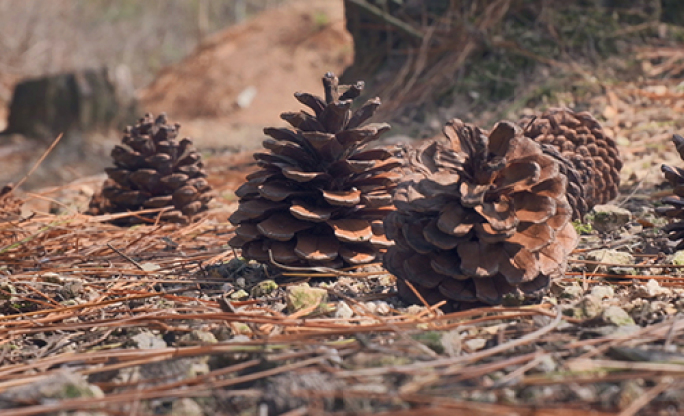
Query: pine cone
(480, 217)
(10, 206)
(153, 170)
(321, 195)
(580, 139)
(674, 205)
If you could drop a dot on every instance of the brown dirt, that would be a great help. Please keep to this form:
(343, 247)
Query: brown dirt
(282, 50)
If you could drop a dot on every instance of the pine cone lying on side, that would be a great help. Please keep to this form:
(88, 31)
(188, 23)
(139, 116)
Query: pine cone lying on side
(321, 195)
(580, 139)
(482, 216)
(675, 210)
(153, 170)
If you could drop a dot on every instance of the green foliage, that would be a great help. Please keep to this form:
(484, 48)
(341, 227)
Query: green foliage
(583, 228)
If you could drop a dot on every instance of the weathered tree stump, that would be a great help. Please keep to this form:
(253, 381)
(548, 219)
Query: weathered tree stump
(83, 101)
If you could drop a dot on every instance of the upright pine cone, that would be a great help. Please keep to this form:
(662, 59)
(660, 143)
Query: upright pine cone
(580, 139)
(153, 170)
(321, 195)
(481, 216)
(674, 205)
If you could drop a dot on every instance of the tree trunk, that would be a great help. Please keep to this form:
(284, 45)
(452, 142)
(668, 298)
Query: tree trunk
(84, 101)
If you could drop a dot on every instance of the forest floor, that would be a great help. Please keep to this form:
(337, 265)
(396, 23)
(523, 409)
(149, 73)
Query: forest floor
(164, 319)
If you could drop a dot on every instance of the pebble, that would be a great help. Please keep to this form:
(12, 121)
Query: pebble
(475, 344)
(610, 256)
(572, 291)
(615, 315)
(609, 218)
(343, 310)
(603, 292)
(303, 296)
(186, 407)
(652, 289)
(590, 307)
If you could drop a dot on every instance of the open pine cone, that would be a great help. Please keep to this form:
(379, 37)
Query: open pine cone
(480, 217)
(674, 204)
(580, 139)
(154, 170)
(321, 195)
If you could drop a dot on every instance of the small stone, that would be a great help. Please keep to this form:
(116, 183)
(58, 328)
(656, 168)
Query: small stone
(242, 328)
(246, 96)
(652, 289)
(303, 296)
(608, 218)
(71, 289)
(198, 337)
(451, 342)
(147, 341)
(508, 396)
(186, 407)
(415, 309)
(343, 310)
(475, 344)
(264, 288)
(546, 365)
(239, 294)
(613, 257)
(677, 258)
(150, 267)
(52, 277)
(483, 396)
(589, 307)
(370, 307)
(615, 315)
(603, 292)
(585, 393)
(631, 390)
(382, 308)
(572, 291)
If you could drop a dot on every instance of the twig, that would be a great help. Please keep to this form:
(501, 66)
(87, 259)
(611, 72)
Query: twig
(138, 265)
(39, 161)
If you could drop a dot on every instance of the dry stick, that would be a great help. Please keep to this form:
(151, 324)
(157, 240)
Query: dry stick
(39, 161)
(138, 265)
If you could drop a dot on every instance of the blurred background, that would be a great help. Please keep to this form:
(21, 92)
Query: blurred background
(224, 69)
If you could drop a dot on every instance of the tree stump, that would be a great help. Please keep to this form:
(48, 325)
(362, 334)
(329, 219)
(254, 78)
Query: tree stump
(79, 102)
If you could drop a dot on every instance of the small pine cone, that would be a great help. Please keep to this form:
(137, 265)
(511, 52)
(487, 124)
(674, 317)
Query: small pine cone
(580, 139)
(674, 204)
(321, 195)
(480, 217)
(153, 170)
(10, 206)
